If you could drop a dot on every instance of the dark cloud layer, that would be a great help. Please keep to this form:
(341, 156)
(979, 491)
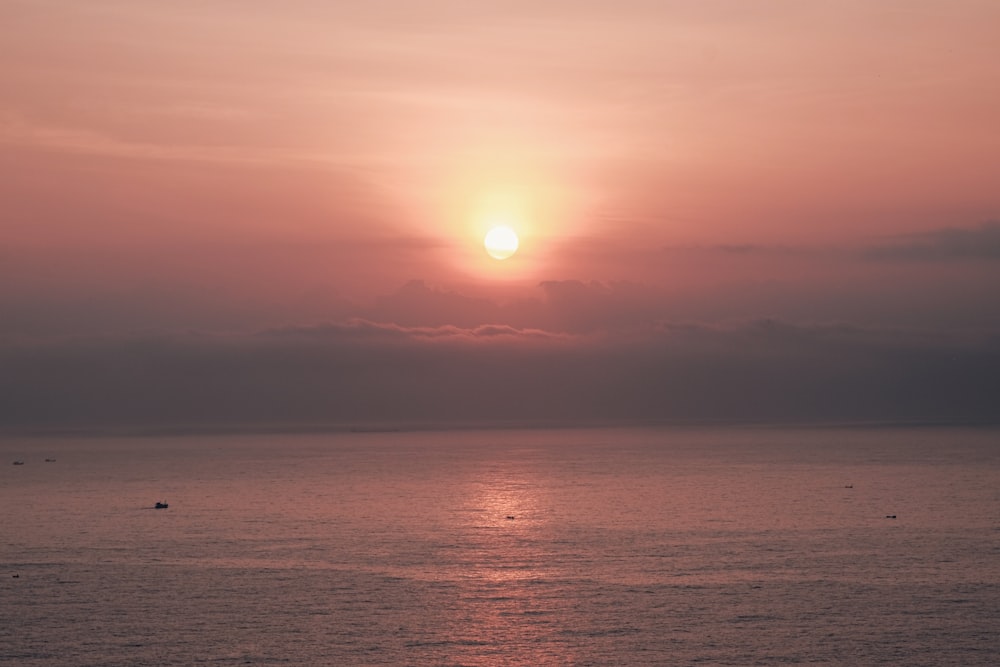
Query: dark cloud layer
(362, 373)
(982, 243)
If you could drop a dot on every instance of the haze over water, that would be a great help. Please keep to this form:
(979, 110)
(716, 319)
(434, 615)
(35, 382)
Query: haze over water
(584, 547)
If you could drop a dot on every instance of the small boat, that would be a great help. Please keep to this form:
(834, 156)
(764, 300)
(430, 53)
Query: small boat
(19, 463)
(161, 506)
(50, 460)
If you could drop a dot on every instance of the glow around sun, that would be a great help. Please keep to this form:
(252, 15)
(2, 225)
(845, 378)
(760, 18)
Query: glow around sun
(501, 242)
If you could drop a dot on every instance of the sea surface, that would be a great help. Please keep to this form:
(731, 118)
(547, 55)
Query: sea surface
(674, 546)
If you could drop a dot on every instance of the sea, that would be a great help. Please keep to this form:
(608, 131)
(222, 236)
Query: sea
(641, 546)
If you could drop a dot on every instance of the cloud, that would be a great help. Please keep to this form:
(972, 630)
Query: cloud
(565, 306)
(365, 331)
(735, 249)
(979, 243)
(363, 372)
(953, 243)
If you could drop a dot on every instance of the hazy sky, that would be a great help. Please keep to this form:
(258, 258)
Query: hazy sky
(253, 212)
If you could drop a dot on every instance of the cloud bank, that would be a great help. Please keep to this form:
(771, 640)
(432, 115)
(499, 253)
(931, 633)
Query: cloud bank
(956, 244)
(368, 373)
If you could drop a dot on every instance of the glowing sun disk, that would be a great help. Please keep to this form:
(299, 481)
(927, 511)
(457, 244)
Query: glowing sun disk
(501, 242)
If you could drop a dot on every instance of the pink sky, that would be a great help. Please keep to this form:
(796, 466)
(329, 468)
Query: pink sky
(231, 168)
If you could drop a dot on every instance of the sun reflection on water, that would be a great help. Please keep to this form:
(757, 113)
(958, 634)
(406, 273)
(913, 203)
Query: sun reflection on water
(504, 520)
(508, 576)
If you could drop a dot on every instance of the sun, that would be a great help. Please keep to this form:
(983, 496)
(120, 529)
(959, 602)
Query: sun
(501, 242)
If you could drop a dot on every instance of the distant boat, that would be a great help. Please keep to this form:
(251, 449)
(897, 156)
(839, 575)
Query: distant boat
(161, 506)
(19, 463)
(50, 460)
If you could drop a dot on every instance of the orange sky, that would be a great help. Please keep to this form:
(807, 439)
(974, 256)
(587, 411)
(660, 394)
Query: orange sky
(239, 166)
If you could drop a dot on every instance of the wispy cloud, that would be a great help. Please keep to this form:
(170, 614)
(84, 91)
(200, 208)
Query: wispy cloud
(20, 132)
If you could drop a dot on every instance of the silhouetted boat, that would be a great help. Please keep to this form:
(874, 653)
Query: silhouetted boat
(161, 506)
(19, 463)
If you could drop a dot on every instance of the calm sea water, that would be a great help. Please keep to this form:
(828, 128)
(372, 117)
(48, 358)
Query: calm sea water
(626, 547)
